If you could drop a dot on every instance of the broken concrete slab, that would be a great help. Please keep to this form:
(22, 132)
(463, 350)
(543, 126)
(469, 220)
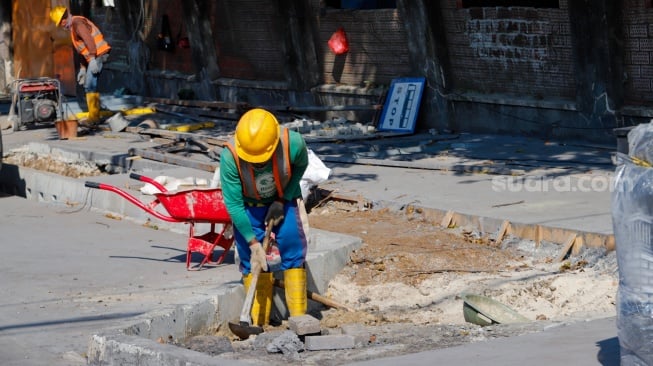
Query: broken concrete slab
(287, 343)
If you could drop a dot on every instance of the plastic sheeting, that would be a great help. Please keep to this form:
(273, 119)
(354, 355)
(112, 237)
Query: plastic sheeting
(632, 217)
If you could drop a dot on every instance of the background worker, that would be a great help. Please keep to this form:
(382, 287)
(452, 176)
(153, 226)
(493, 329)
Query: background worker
(260, 173)
(89, 42)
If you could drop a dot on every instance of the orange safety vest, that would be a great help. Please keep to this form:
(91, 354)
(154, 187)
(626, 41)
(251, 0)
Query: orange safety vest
(100, 43)
(280, 167)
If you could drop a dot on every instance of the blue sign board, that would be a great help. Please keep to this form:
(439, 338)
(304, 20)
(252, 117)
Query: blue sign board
(402, 105)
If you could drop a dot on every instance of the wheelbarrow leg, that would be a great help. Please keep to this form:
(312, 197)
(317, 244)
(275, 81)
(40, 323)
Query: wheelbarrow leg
(189, 253)
(205, 245)
(197, 244)
(225, 241)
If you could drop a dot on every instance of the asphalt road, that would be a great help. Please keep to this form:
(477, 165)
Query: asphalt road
(68, 272)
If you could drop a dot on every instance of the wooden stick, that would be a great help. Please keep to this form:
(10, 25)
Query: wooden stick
(316, 297)
(565, 249)
(443, 270)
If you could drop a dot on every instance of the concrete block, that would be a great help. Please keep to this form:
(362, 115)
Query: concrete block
(331, 331)
(358, 331)
(318, 343)
(304, 324)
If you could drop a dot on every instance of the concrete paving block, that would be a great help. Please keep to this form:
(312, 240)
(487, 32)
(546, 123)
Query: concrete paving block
(358, 331)
(303, 325)
(331, 331)
(318, 343)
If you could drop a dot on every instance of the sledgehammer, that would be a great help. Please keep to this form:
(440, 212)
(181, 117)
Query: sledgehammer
(244, 328)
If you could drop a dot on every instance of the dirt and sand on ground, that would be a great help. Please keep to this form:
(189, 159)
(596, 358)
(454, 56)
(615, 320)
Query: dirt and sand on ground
(404, 283)
(404, 286)
(407, 264)
(56, 165)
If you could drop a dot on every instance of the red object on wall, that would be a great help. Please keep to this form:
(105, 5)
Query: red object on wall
(338, 42)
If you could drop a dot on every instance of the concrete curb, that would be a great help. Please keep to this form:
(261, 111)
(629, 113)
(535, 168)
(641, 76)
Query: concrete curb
(137, 344)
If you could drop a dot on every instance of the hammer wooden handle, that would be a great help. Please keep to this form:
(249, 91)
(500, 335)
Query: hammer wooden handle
(316, 297)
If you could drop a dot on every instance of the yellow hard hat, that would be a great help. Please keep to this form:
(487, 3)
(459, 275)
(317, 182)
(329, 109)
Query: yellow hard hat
(257, 136)
(56, 14)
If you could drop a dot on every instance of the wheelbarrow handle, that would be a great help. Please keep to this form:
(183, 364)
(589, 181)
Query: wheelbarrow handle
(95, 185)
(149, 208)
(135, 176)
(145, 179)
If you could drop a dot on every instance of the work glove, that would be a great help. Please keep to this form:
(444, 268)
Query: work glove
(275, 213)
(81, 76)
(258, 257)
(93, 66)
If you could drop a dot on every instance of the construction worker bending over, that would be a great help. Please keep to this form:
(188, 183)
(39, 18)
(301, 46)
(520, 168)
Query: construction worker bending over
(89, 42)
(260, 171)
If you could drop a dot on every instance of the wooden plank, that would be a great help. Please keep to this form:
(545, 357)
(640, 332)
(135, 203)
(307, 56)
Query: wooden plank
(505, 227)
(200, 103)
(571, 239)
(610, 243)
(172, 135)
(324, 108)
(196, 113)
(447, 219)
(538, 236)
(173, 159)
(578, 245)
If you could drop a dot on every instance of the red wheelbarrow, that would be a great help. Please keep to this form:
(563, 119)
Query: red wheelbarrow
(193, 206)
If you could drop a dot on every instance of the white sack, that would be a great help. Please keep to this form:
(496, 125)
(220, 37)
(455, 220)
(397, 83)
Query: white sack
(315, 173)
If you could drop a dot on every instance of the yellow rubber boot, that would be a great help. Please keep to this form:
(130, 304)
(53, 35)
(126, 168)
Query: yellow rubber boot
(93, 103)
(295, 283)
(262, 304)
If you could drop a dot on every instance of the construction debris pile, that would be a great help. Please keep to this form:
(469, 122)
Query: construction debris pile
(402, 292)
(337, 127)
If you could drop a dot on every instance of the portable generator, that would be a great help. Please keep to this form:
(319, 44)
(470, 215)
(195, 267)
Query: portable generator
(36, 101)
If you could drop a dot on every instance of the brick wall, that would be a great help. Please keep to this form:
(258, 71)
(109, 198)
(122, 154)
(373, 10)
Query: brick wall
(377, 47)
(110, 22)
(249, 44)
(252, 49)
(638, 51)
(510, 50)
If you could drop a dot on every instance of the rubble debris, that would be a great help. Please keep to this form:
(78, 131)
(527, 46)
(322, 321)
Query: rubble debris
(53, 164)
(212, 345)
(287, 343)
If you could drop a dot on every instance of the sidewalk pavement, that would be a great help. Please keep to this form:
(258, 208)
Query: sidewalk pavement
(523, 180)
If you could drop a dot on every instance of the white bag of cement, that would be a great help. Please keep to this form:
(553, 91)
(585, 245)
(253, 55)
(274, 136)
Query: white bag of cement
(173, 184)
(315, 173)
